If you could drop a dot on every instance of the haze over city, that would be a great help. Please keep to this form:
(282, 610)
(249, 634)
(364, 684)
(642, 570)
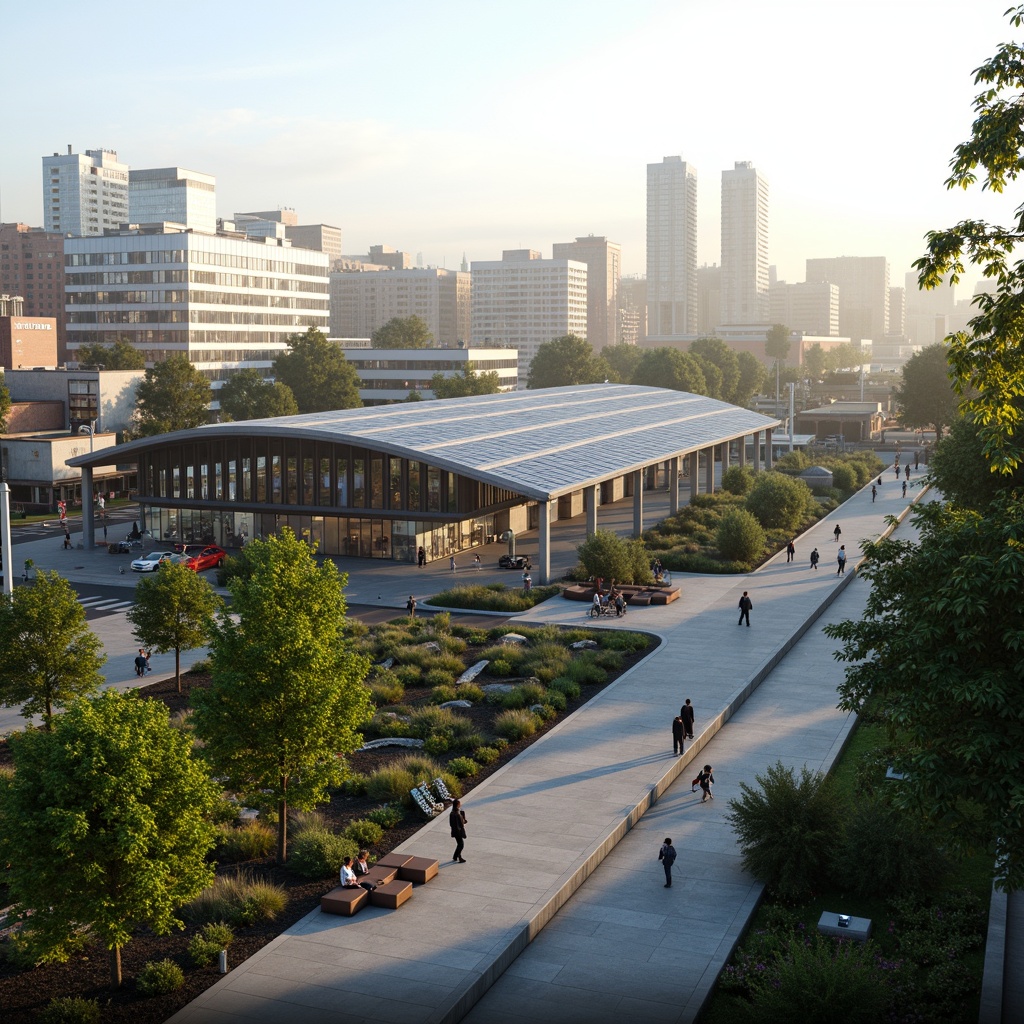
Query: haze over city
(457, 128)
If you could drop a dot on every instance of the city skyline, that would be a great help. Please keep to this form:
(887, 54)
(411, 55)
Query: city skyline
(409, 126)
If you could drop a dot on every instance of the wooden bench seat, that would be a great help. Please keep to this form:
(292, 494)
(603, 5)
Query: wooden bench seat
(393, 860)
(379, 875)
(418, 870)
(391, 895)
(344, 901)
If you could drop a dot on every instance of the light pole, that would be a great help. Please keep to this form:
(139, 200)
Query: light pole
(5, 536)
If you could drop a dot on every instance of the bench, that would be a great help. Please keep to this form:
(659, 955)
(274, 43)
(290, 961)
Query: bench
(391, 895)
(418, 870)
(379, 875)
(343, 901)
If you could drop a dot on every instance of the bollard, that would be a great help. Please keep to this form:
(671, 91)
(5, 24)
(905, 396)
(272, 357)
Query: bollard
(223, 961)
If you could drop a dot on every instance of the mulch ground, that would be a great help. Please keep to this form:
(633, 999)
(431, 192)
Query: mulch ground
(23, 993)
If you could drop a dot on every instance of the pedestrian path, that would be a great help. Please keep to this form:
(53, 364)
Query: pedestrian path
(541, 828)
(105, 605)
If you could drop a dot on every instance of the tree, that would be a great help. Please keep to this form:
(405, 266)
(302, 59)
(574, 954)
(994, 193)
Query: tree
(467, 383)
(846, 356)
(173, 396)
(565, 361)
(247, 396)
(320, 377)
(925, 395)
(776, 346)
(752, 378)
(815, 362)
(612, 557)
(987, 361)
(960, 471)
(122, 355)
(403, 332)
(48, 654)
(622, 361)
(780, 501)
(287, 696)
(740, 536)
(104, 825)
(949, 606)
(5, 404)
(716, 352)
(670, 368)
(173, 611)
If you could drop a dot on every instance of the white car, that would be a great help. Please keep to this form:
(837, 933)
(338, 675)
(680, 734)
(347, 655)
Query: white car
(151, 562)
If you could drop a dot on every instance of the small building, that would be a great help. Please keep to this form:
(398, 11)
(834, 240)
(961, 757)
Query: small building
(854, 421)
(28, 341)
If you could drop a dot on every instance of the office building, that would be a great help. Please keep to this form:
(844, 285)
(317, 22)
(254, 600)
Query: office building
(84, 194)
(26, 340)
(632, 309)
(283, 224)
(671, 247)
(225, 302)
(173, 194)
(604, 273)
(744, 282)
(863, 283)
(362, 302)
(808, 306)
(709, 298)
(32, 266)
(522, 301)
(897, 311)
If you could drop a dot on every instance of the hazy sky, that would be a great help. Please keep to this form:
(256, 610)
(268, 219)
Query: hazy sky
(454, 126)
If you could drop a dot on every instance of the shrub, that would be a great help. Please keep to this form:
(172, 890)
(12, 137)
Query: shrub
(612, 661)
(440, 677)
(364, 832)
(253, 841)
(202, 667)
(790, 829)
(71, 1010)
(206, 945)
(515, 725)
(584, 670)
(443, 694)
(844, 476)
(494, 597)
(159, 977)
(780, 501)
(385, 725)
(224, 900)
(616, 640)
(390, 783)
(317, 852)
(607, 555)
(263, 903)
(738, 480)
(387, 815)
(354, 784)
(546, 660)
(463, 767)
(740, 536)
(386, 688)
(569, 688)
(545, 712)
(499, 667)
(512, 655)
(407, 675)
(470, 692)
(437, 744)
(429, 720)
(499, 743)
(486, 755)
(419, 766)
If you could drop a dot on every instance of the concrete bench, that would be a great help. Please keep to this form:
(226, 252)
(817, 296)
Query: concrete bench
(392, 895)
(393, 860)
(379, 875)
(858, 928)
(418, 870)
(343, 901)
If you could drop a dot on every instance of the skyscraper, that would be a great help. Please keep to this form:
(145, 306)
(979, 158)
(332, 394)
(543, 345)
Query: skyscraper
(604, 272)
(863, 293)
(671, 247)
(744, 297)
(173, 194)
(82, 195)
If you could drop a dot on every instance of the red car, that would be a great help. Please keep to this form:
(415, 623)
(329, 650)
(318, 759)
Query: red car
(200, 557)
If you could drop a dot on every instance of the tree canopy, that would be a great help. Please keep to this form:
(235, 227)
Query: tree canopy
(403, 332)
(48, 654)
(622, 361)
(320, 377)
(670, 368)
(5, 404)
(462, 385)
(752, 377)
(247, 396)
(104, 825)
(777, 343)
(925, 394)
(714, 352)
(815, 362)
(122, 355)
(287, 696)
(174, 395)
(564, 361)
(173, 611)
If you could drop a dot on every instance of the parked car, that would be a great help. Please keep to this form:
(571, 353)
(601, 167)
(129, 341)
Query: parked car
(514, 562)
(204, 556)
(151, 562)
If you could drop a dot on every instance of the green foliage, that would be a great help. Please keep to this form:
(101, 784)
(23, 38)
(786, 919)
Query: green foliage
(622, 361)
(173, 611)
(777, 343)
(436, 745)
(555, 700)
(386, 687)
(925, 394)
(500, 668)
(515, 725)
(251, 841)
(5, 404)
(50, 655)
(159, 978)
(319, 376)
(670, 368)
(317, 852)
(387, 815)
(287, 694)
(440, 677)
(788, 828)
(391, 784)
(717, 357)
(611, 557)
(494, 597)
(443, 694)
(205, 946)
(738, 480)
(122, 355)
(780, 501)
(247, 396)
(174, 395)
(740, 536)
(585, 670)
(403, 332)
(621, 640)
(364, 832)
(242, 899)
(463, 767)
(961, 472)
(566, 360)
(569, 688)
(70, 1010)
(469, 382)
(486, 755)
(105, 823)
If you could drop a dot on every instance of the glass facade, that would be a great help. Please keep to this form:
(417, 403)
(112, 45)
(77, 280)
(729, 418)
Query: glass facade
(349, 501)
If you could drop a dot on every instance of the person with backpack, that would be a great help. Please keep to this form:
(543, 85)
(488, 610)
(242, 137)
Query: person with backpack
(745, 605)
(841, 559)
(667, 856)
(815, 557)
(705, 780)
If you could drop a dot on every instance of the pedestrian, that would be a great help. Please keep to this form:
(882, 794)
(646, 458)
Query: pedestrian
(678, 732)
(904, 488)
(667, 856)
(102, 505)
(140, 664)
(620, 606)
(451, 562)
(815, 558)
(421, 557)
(790, 552)
(527, 582)
(686, 714)
(837, 532)
(104, 530)
(149, 668)
(906, 471)
(705, 780)
(67, 538)
(476, 561)
(457, 820)
(410, 607)
(874, 493)
(745, 605)
(841, 559)
(917, 461)
(879, 481)
(896, 469)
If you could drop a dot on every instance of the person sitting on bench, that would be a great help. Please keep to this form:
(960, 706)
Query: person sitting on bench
(348, 876)
(136, 534)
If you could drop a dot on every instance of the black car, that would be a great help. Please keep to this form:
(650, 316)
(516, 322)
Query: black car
(514, 562)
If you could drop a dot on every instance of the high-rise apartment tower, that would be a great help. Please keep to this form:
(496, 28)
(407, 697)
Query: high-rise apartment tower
(744, 282)
(84, 194)
(671, 247)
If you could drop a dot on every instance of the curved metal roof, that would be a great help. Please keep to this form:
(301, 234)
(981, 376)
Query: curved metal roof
(541, 444)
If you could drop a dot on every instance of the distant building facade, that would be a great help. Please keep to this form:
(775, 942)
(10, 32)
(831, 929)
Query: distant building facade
(744, 280)
(709, 298)
(84, 194)
(632, 309)
(863, 283)
(808, 306)
(173, 194)
(32, 266)
(604, 272)
(27, 341)
(671, 247)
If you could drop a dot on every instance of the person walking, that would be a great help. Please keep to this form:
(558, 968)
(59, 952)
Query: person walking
(917, 461)
(421, 558)
(451, 562)
(879, 481)
(896, 470)
(745, 605)
(686, 714)
(705, 779)
(67, 538)
(457, 820)
(837, 532)
(667, 856)
(815, 558)
(478, 565)
(874, 493)
(906, 471)
(678, 732)
(790, 552)
(904, 488)
(140, 663)
(841, 559)
(410, 607)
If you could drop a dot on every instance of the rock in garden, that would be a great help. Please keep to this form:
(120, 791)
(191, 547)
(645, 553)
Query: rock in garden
(434, 648)
(582, 645)
(513, 639)
(498, 688)
(392, 741)
(456, 704)
(471, 673)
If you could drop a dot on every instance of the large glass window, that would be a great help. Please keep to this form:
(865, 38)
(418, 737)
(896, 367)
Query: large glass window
(292, 480)
(232, 479)
(376, 481)
(433, 489)
(395, 483)
(307, 482)
(414, 486)
(246, 478)
(342, 482)
(190, 482)
(359, 483)
(261, 478)
(275, 479)
(325, 481)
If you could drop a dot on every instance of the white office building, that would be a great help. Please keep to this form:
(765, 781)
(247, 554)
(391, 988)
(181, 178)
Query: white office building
(174, 194)
(808, 306)
(84, 194)
(744, 280)
(604, 274)
(671, 248)
(225, 302)
(522, 301)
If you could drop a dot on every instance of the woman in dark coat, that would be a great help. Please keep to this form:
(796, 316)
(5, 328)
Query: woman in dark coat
(457, 820)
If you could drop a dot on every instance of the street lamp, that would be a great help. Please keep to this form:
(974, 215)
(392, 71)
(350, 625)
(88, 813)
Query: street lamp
(88, 428)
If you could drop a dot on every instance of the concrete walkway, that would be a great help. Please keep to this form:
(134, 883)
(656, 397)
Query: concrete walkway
(546, 832)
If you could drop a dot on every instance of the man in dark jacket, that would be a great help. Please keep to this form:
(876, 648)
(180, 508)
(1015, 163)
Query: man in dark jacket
(686, 714)
(678, 731)
(745, 605)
